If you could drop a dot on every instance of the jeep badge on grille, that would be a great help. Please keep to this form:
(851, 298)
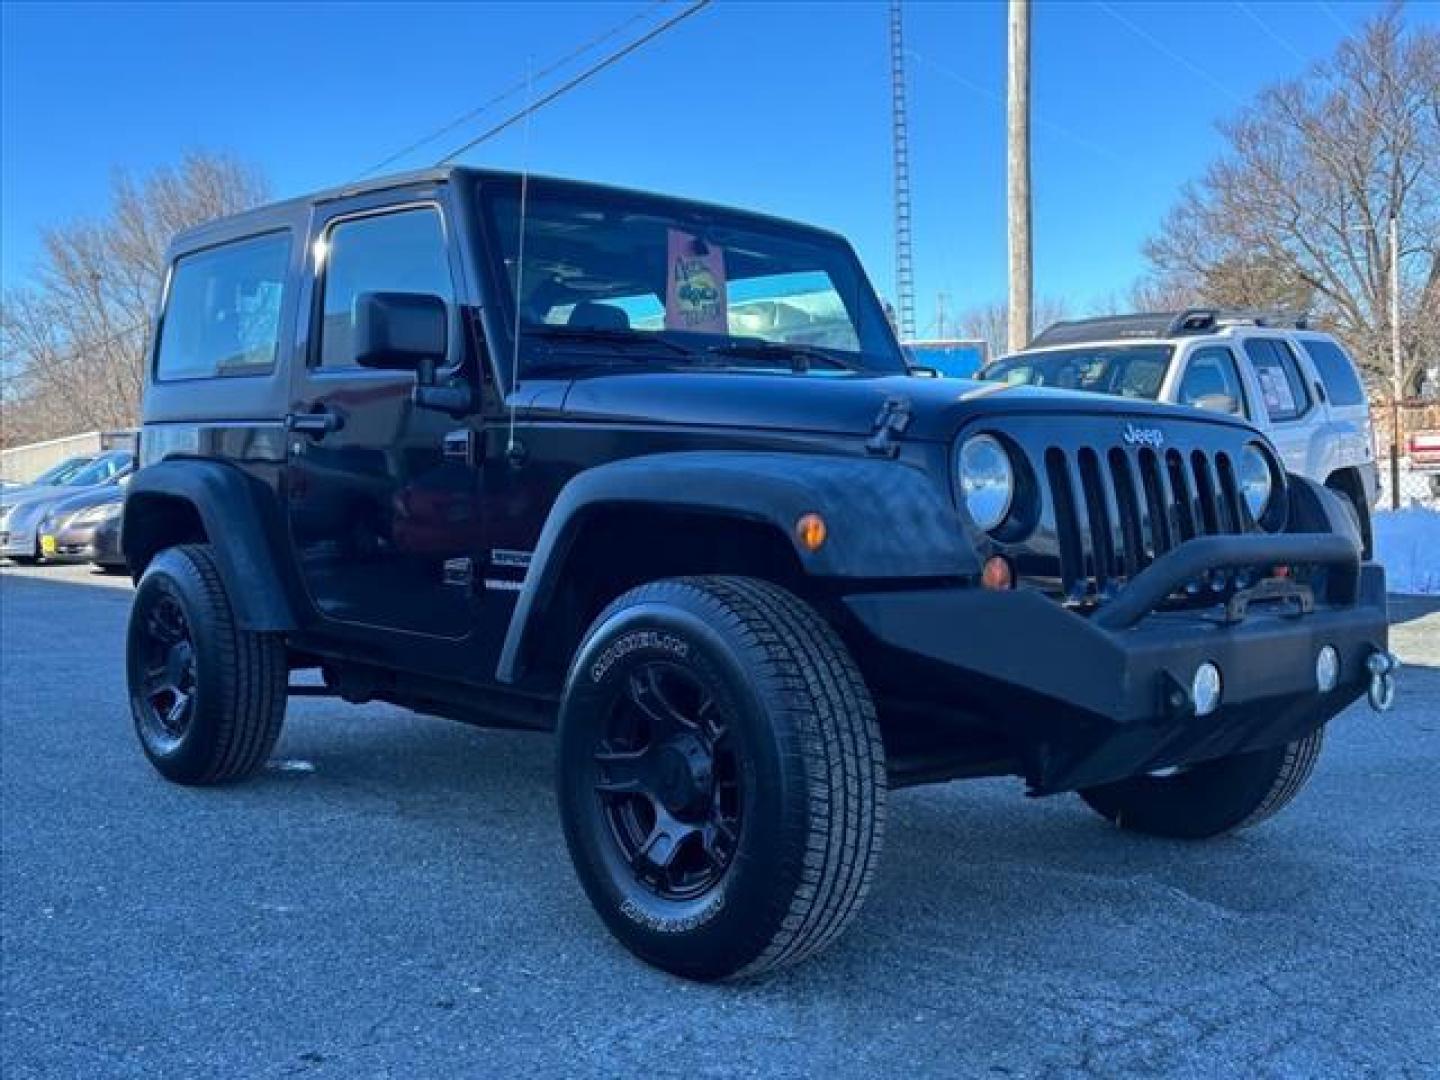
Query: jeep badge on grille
(1143, 436)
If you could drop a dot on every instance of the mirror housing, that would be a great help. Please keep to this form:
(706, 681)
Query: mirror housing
(400, 331)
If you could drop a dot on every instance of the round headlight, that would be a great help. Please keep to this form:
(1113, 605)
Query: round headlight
(1256, 483)
(987, 480)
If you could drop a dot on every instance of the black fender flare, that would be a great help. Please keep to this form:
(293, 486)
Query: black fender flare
(240, 519)
(886, 519)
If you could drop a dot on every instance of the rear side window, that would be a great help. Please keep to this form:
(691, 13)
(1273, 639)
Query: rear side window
(402, 251)
(1278, 373)
(223, 310)
(1336, 372)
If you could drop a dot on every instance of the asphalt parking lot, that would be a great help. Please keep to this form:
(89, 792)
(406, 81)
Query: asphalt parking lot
(392, 898)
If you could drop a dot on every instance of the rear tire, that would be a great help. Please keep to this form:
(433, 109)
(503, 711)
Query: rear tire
(207, 695)
(721, 776)
(1213, 798)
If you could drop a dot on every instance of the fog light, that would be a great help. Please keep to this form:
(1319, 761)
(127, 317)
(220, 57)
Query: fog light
(1205, 689)
(1327, 669)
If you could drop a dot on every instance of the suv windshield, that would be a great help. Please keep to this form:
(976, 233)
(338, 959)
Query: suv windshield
(615, 278)
(1134, 371)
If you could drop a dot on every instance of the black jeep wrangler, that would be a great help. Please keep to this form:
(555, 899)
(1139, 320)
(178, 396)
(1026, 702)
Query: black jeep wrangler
(540, 454)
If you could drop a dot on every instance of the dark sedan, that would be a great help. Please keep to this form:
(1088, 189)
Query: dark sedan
(86, 528)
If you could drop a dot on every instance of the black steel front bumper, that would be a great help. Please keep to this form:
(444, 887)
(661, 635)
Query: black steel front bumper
(1088, 700)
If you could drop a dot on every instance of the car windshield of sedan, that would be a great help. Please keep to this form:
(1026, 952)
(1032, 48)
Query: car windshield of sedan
(606, 278)
(101, 469)
(1133, 371)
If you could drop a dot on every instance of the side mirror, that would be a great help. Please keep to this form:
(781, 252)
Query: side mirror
(400, 331)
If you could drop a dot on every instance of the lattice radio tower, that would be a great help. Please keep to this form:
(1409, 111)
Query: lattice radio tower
(904, 271)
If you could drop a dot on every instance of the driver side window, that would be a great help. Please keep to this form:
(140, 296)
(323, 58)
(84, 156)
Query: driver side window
(398, 251)
(1212, 382)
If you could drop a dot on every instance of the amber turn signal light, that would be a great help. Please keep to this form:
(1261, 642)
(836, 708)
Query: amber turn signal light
(810, 531)
(996, 573)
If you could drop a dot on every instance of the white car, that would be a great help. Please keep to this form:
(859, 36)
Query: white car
(1297, 385)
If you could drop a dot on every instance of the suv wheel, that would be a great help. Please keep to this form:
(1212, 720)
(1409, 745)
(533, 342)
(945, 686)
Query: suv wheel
(1358, 513)
(721, 776)
(1212, 798)
(207, 696)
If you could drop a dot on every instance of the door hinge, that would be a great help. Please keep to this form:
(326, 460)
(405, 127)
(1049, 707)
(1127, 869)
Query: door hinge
(462, 446)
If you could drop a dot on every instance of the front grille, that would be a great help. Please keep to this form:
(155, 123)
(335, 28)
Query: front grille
(1117, 510)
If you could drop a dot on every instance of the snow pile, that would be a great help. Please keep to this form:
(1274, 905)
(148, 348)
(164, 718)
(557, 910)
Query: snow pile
(1407, 542)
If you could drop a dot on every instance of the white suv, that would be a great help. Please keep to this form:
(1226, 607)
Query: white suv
(1295, 384)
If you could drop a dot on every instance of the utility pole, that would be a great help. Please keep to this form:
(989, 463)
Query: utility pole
(1022, 277)
(1397, 390)
(904, 272)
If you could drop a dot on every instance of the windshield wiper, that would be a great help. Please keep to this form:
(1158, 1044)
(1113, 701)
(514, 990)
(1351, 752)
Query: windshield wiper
(799, 357)
(607, 336)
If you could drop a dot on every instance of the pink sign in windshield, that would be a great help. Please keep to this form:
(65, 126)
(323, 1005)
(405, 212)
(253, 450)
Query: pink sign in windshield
(695, 286)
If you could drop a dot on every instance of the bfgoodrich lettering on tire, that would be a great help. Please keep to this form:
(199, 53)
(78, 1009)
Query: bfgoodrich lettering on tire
(207, 695)
(721, 776)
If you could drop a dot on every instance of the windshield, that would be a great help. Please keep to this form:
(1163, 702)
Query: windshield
(685, 285)
(100, 470)
(1133, 371)
(58, 474)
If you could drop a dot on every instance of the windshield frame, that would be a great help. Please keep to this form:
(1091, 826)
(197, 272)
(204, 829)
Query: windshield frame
(535, 351)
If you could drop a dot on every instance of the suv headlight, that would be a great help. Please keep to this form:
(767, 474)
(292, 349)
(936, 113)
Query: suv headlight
(987, 480)
(1256, 482)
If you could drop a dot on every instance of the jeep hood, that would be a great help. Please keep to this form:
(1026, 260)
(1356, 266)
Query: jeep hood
(841, 404)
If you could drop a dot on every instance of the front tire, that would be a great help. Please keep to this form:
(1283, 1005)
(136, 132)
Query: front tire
(207, 695)
(1359, 515)
(1213, 798)
(721, 776)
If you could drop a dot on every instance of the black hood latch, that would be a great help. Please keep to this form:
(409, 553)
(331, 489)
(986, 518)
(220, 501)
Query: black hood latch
(892, 421)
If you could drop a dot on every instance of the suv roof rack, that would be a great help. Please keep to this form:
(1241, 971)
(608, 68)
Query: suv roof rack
(1163, 324)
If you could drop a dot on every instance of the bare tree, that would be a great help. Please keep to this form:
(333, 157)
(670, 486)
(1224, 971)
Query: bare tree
(991, 322)
(72, 342)
(1294, 214)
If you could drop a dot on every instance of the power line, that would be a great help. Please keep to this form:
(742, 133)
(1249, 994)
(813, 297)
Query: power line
(1160, 47)
(585, 75)
(1277, 38)
(999, 99)
(515, 88)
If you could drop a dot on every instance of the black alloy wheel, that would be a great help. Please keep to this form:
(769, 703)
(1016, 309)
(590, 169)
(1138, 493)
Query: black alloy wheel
(166, 695)
(667, 777)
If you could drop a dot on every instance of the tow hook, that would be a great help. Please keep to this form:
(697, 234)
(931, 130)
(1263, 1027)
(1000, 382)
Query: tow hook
(1382, 667)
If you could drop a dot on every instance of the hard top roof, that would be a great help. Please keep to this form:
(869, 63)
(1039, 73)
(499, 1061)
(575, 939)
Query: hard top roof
(274, 214)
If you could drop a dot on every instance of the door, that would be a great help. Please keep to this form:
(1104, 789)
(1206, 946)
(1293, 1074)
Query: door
(1285, 400)
(382, 496)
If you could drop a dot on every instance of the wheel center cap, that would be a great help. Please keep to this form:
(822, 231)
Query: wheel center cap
(683, 775)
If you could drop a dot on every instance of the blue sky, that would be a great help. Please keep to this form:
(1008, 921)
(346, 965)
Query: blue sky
(778, 106)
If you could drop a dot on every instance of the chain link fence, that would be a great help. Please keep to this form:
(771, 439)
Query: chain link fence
(1409, 465)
